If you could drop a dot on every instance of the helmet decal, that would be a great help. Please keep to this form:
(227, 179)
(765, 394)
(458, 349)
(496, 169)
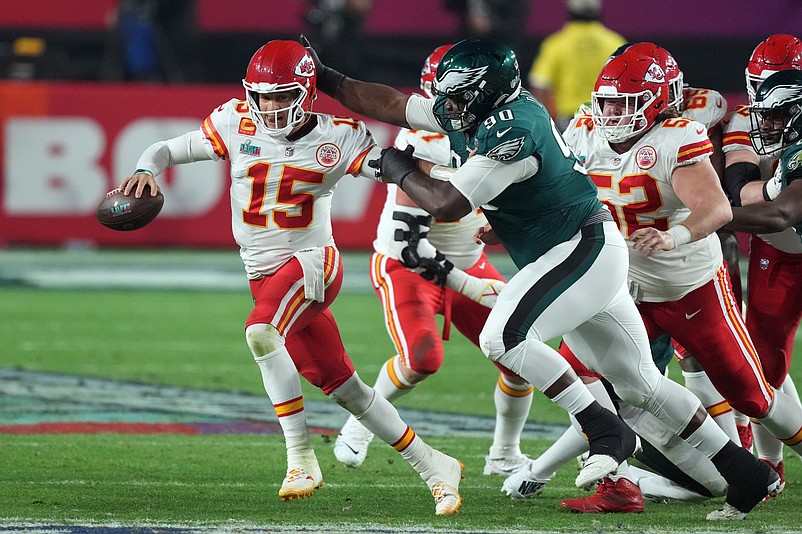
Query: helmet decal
(655, 74)
(780, 94)
(456, 79)
(306, 67)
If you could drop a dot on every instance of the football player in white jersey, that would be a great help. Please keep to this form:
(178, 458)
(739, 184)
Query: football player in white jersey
(285, 162)
(707, 107)
(652, 169)
(411, 302)
(774, 303)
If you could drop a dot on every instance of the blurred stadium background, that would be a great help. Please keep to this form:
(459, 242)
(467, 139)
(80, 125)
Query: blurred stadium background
(71, 127)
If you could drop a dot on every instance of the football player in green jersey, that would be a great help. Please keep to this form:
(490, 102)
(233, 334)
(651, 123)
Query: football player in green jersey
(508, 158)
(776, 116)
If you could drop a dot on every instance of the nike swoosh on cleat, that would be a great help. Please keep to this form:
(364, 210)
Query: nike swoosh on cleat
(355, 451)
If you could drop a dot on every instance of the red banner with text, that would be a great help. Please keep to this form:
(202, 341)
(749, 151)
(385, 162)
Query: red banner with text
(64, 145)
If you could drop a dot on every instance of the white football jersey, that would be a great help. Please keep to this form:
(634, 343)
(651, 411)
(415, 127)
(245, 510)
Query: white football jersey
(637, 187)
(454, 239)
(703, 105)
(281, 189)
(736, 128)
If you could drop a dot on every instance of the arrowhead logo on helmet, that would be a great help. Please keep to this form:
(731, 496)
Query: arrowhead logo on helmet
(306, 67)
(655, 74)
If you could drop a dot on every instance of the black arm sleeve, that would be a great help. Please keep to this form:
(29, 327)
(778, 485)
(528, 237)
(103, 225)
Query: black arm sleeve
(736, 177)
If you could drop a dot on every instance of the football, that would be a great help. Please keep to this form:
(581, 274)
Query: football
(125, 213)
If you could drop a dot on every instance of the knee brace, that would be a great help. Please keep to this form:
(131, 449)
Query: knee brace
(354, 395)
(263, 339)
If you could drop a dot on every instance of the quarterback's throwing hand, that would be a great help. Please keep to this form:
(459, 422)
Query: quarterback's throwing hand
(650, 240)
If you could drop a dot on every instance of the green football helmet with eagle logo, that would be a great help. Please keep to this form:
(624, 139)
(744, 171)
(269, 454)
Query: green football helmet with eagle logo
(478, 75)
(776, 113)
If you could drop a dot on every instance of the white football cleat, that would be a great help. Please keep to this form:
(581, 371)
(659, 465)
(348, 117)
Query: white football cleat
(523, 485)
(303, 477)
(728, 513)
(595, 468)
(505, 465)
(351, 445)
(443, 476)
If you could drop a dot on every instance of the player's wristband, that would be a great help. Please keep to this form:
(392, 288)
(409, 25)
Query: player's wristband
(144, 171)
(771, 188)
(680, 234)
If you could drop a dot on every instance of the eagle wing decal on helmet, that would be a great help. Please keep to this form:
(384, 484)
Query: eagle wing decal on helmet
(456, 79)
(506, 150)
(777, 96)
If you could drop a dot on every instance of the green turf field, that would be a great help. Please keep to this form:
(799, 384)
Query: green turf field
(193, 339)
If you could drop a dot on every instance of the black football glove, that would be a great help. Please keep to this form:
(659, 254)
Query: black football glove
(395, 164)
(436, 269)
(328, 79)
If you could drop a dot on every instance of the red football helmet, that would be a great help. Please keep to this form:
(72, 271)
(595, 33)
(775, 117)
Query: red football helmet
(638, 85)
(277, 67)
(672, 70)
(778, 52)
(429, 69)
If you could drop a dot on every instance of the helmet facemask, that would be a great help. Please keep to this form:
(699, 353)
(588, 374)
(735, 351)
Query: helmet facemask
(775, 128)
(620, 128)
(460, 119)
(675, 92)
(294, 113)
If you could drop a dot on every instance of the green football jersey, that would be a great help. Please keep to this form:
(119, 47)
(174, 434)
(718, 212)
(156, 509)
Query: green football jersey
(790, 168)
(549, 207)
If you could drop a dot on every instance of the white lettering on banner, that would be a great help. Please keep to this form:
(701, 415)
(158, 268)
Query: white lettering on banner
(191, 189)
(52, 166)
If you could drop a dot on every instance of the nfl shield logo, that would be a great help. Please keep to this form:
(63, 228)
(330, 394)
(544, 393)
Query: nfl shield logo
(764, 263)
(288, 152)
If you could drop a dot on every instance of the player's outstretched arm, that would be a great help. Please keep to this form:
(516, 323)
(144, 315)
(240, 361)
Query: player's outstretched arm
(374, 100)
(769, 217)
(437, 197)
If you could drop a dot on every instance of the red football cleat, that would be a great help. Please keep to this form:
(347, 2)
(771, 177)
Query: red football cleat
(780, 468)
(621, 496)
(745, 434)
